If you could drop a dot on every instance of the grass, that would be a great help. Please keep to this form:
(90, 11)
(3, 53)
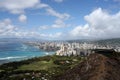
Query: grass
(48, 65)
(1, 70)
(51, 65)
(40, 65)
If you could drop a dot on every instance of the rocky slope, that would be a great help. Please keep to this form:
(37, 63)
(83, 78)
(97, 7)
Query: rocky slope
(95, 67)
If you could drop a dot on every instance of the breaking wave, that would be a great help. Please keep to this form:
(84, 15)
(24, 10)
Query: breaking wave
(15, 57)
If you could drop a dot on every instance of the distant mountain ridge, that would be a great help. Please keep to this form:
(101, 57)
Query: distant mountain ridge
(109, 41)
(114, 41)
(19, 39)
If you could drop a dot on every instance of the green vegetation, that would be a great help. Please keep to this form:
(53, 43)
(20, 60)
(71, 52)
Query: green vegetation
(47, 67)
(40, 65)
(1, 70)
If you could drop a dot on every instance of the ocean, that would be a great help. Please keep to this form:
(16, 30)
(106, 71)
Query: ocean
(16, 51)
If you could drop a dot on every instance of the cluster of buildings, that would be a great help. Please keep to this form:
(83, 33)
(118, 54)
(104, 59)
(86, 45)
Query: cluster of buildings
(46, 46)
(82, 49)
(69, 50)
(76, 49)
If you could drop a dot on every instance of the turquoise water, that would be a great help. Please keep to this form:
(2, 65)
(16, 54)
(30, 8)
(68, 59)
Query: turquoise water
(10, 51)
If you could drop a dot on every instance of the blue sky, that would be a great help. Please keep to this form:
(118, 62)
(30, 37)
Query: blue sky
(60, 19)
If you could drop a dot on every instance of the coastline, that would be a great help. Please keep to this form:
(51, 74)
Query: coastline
(22, 58)
(53, 67)
(17, 51)
(46, 66)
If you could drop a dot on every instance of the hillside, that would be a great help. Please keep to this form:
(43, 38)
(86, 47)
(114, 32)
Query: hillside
(39, 68)
(95, 67)
(102, 65)
(113, 42)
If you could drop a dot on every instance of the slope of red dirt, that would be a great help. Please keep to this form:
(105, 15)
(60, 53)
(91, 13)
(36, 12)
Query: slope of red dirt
(95, 67)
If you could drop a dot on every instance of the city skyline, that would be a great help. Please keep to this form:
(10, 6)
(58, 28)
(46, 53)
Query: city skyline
(60, 19)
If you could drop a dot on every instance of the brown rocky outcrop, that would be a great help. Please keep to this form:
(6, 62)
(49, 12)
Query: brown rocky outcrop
(95, 67)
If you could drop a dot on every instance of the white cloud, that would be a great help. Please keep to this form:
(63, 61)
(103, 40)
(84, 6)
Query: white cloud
(6, 27)
(42, 5)
(116, 0)
(80, 31)
(100, 24)
(43, 27)
(61, 18)
(59, 1)
(59, 24)
(27, 34)
(52, 12)
(22, 18)
(18, 6)
(54, 36)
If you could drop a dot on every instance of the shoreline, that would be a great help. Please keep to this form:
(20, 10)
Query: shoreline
(46, 66)
(25, 58)
(52, 67)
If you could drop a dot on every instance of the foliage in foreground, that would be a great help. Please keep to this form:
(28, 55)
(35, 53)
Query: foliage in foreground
(42, 68)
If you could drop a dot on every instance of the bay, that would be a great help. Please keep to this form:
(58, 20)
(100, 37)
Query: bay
(16, 51)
